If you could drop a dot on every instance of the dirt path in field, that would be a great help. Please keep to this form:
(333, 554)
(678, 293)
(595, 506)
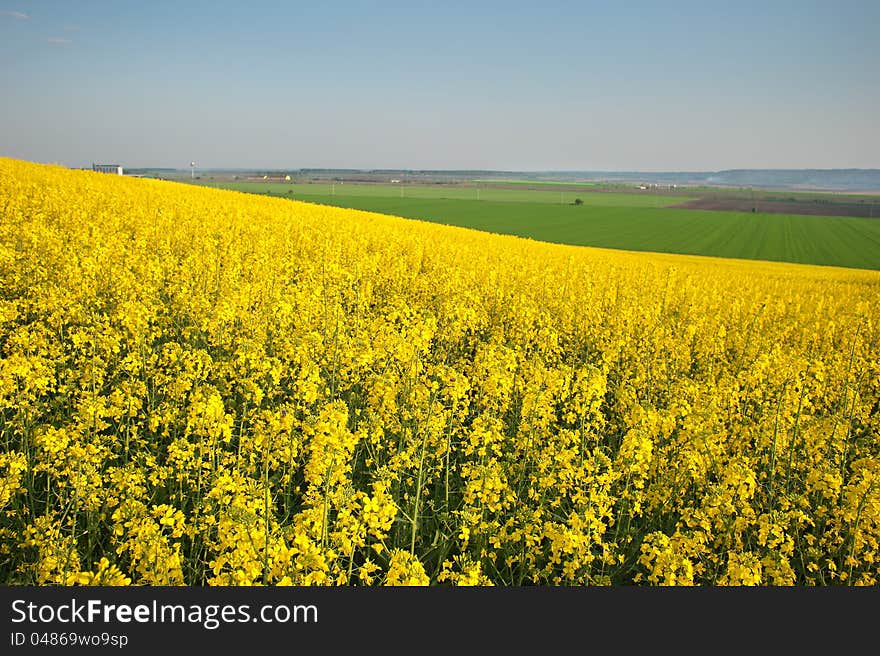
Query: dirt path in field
(811, 207)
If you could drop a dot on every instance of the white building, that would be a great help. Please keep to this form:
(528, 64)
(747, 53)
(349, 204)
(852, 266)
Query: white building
(107, 168)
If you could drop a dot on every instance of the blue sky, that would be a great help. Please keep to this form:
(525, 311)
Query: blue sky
(452, 85)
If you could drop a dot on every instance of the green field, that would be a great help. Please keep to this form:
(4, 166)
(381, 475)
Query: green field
(540, 183)
(612, 220)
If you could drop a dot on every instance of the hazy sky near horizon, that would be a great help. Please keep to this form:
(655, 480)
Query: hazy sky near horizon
(644, 86)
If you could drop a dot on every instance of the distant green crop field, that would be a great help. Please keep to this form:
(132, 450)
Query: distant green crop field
(611, 220)
(451, 192)
(539, 183)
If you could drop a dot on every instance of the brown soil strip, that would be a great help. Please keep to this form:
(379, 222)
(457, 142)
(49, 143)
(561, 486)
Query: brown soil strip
(810, 207)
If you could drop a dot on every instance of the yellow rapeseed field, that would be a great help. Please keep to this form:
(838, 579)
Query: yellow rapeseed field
(202, 387)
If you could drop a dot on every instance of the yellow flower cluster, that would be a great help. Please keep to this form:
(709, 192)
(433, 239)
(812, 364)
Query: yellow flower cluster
(202, 387)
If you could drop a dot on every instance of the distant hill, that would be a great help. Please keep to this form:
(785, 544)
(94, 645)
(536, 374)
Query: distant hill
(819, 179)
(852, 180)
